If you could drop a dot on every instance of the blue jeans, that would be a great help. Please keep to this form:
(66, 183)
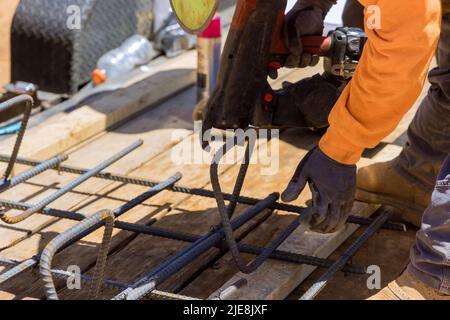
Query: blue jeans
(430, 256)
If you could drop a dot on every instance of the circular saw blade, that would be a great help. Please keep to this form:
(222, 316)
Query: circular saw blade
(194, 15)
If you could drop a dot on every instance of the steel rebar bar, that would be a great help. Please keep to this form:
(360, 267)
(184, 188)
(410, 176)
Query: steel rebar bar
(28, 101)
(100, 265)
(23, 266)
(226, 212)
(320, 284)
(149, 282)
(23, 177)
(69, 187)
(201, 192)
(79, 217)
(61, 240)
(153, 231)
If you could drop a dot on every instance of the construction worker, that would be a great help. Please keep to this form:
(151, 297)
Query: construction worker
(389, 79)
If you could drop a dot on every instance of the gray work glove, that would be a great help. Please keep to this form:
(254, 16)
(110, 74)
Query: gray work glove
(333, 190)
(306, 18)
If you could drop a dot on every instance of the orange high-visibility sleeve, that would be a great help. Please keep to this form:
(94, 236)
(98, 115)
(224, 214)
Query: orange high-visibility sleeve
(389, 78)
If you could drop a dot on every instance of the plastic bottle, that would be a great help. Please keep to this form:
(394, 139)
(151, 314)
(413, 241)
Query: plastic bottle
(134, 52)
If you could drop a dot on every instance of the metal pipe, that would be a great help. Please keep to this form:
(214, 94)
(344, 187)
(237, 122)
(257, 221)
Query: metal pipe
(201, 192)
(149, 282)
(345, 258)
(69, 187)
(78, 217)
(28, 101)
(61, 240)
(23, 177)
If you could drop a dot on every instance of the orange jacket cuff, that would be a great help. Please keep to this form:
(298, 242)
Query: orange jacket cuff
(338, 148)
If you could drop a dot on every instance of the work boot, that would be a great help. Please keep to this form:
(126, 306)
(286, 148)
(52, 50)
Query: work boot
(381, 184)
(407, 287)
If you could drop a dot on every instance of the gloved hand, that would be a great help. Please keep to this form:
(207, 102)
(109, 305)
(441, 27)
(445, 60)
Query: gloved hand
(333, 190)
(306, 18)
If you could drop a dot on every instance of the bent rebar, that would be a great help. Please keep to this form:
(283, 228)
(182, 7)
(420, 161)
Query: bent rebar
(227, 212)
(201, 192)
(320, 284)
(149, 282)
(69, 187)
(28, 101)
(61, 240)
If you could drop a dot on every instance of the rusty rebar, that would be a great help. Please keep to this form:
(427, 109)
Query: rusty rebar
(61, 240)
(69, 187)
(201, 192)
(28, 101)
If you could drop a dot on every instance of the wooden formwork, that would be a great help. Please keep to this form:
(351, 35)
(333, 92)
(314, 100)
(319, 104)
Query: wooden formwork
(158, 109)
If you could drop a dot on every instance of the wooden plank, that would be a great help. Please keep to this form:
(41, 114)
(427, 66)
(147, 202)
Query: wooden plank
(66, 130)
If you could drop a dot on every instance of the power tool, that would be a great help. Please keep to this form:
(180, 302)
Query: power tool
(255, 49)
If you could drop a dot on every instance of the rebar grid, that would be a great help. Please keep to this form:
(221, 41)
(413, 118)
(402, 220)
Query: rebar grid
(395, 226)
(147, 285)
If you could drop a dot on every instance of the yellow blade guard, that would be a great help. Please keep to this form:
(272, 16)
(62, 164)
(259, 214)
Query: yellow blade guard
(194, 15)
